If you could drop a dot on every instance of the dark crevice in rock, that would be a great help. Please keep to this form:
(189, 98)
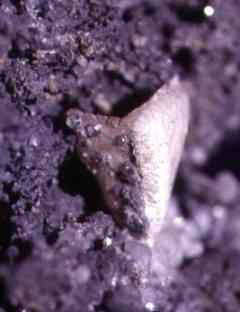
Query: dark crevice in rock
(74, 179)
(130, 102)
(185, 59)
(190, 13)
(5, 227)
(226, 156)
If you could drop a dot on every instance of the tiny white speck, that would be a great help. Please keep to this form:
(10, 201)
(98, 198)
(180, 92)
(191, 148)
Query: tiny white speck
(219, 212)
(34, 142)
(150, 306)
(198, 156)
(115, 203)
(209, 10)
(150, 241)
(114, 281)
(179, 221)
(98, 127)
(51, 52)
(107, 241)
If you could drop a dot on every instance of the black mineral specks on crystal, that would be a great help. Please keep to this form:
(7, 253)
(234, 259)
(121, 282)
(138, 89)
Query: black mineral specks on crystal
(104, 147)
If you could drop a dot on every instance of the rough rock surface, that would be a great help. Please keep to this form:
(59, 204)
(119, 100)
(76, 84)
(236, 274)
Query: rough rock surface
(58, 250)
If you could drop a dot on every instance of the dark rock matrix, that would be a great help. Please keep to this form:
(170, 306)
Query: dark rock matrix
(59, 248)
